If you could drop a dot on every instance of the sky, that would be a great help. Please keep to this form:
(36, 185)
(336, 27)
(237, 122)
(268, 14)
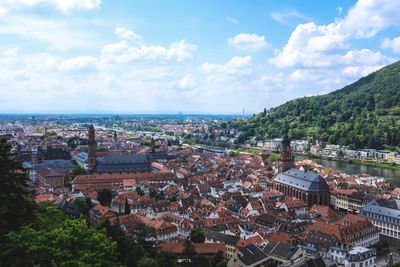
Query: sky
(170, 56)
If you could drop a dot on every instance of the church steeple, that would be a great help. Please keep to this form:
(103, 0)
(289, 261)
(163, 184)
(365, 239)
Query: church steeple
(286, 150)
(91, 149)
(46, 141)
(286, 162)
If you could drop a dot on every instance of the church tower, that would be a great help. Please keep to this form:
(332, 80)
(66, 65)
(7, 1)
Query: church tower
(286, 162)
(115, 138)
(91, 149)
(46, 141)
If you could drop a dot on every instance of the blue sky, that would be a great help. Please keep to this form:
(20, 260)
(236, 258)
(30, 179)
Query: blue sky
(168, 56)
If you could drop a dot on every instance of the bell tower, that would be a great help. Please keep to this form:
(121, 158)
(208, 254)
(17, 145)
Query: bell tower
(91, 149)
(286, 162)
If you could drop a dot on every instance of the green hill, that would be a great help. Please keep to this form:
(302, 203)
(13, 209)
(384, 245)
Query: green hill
(365, 114)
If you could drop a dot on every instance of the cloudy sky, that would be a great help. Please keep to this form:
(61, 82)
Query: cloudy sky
(168, 56)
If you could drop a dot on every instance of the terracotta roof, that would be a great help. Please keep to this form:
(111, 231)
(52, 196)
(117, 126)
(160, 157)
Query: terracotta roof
(248, 241)
(326, 228)
(279, 237)
(101, 209)
(346, 192)
(293, 203)
(47, 197)
(324, 212)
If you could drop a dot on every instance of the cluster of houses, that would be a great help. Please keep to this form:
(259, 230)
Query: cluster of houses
(256, 212)
(337, 151)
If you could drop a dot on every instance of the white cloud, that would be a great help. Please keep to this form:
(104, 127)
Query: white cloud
(232, 20)
(53, 34)
(320, 45)
(368, 17)
(245, 41)
(62, 5)
(237, 65)
(123, 52)
(393, 44)
(306, 45)
(187, 82)
(181, 50)
(360, 71)
(11, 52)
(125, 33)
(288, 17)
(77, 63)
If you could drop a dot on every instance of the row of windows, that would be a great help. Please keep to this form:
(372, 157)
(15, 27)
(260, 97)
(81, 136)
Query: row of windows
(375, 216)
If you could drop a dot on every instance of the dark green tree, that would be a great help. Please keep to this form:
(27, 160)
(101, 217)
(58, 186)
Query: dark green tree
(153, 193)
(139, 191)
(70, 243)
(47, 216)
(129, 251)
(83, 206)
(219, 260)
(189, 252)
(104, 197)
(16, 204)
(197, 236)
(127, 207)
(166, 259)
(147, 262)
(78, 170)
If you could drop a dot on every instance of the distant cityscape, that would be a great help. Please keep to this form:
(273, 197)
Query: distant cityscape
(245, 200)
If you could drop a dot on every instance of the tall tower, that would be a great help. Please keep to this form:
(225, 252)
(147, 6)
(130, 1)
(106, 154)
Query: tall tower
(115, 137)
(286, 162)
(91, 149)
(46, 141)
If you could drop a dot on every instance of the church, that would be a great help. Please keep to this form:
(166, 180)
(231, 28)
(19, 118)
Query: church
(305, 185)
(130, 163)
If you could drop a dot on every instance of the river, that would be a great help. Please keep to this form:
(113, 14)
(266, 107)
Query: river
(391, 175)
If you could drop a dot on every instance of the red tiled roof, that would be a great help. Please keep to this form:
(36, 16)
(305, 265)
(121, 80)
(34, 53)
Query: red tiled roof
(248, 241)
(279, 237)
(47, 197)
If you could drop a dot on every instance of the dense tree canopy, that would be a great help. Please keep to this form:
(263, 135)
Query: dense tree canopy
(78, 170)
(53, 239)
(197, 236)
(16, 204)
(363, 114)
(104, 197)
(42, 235)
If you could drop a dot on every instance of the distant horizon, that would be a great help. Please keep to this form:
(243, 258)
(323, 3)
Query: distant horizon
(120, 113)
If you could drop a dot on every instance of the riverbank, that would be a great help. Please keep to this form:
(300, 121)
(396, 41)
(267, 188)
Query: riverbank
(369, 163)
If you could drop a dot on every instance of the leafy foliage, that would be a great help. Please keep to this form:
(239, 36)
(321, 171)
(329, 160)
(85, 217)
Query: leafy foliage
(147, 262)
(104, 197)
(197, 236)
(274, 157)
(84, 205)
(53, 239)
(78, 170)
(363, 114)
(16, 204)
(140, 191)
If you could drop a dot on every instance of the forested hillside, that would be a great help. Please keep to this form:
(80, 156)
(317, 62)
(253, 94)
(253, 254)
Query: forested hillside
(365, 114)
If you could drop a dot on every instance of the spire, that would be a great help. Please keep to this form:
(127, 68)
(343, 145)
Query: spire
(286, 162)
(45, 138)
(91, 148)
